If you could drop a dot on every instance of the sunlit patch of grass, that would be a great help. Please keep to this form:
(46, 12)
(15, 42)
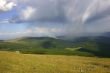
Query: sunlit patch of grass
(73, 49)
(11, 62)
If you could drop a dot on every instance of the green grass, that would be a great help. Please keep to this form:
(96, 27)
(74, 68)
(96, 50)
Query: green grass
(44, 45)
(11, 62)
(37, 48)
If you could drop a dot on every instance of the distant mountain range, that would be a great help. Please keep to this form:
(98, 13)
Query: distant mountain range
(82, 46)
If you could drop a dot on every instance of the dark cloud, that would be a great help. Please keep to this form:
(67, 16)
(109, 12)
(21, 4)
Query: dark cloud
(72, 17)
(96, 11)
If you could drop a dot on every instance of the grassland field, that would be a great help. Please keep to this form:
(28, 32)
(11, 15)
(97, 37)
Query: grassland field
(13, 62)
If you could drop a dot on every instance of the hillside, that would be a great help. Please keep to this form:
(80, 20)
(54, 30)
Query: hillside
(98, 45)
(36, 45)
(11, 62)
(82, 46)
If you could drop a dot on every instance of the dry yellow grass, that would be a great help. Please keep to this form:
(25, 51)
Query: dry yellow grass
(26, 63)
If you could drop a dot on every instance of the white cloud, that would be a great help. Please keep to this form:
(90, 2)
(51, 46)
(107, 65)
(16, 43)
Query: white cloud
(44, 31)
(4, 21)
(41, 10)
(47, 30)
(6, 6)
(74, 14)
(97, 10)
(28, 14)
(78, 16)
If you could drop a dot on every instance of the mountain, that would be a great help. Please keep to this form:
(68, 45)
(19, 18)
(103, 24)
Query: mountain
(84, 46)
(97, 45)
(37, 45)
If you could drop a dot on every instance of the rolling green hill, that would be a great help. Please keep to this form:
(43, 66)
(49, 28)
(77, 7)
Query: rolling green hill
(99, 46)
(41, 45)
(83, 46)
(11, 62)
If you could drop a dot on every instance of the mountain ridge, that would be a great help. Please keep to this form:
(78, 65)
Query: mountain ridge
(83, 46)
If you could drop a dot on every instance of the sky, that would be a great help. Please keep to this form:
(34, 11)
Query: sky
(52, 18)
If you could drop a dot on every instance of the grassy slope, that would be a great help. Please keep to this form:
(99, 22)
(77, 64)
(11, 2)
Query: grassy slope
(38, 46)
(99, 46)
(85, 46)
(11, 62)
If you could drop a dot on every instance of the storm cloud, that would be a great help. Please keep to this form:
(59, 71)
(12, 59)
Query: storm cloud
(70, 17)
(97, 10)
